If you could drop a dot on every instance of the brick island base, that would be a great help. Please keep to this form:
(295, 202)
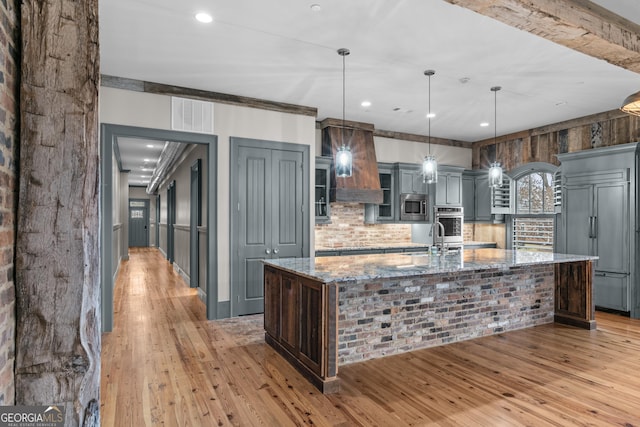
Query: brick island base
(318, 326)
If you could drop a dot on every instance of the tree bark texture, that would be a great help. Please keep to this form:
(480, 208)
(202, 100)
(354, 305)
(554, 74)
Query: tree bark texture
(57, 248)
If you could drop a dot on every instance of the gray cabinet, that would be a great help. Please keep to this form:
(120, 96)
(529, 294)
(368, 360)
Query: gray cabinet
(449, 186)
(410, 179)
(469, 196)
(597, 224)
(476, 196)
(387, 210)
(599, 217)
(322, 207)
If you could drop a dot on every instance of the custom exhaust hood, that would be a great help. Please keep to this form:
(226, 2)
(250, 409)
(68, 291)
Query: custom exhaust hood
(364, 185)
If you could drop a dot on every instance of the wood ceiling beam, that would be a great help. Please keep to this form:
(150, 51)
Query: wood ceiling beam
(578, 24)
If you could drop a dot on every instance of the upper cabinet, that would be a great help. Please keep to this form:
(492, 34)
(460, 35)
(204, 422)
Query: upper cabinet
(322, 207)
(387, 211)
(410, 179)
(449, 186)
(476, 196)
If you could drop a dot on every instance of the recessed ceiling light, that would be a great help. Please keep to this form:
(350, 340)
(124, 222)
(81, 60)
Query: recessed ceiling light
(316, 7)
(146, 160)
(204, 17)
(366, 104)
(149, 145)
(484, 124)
(431, 115)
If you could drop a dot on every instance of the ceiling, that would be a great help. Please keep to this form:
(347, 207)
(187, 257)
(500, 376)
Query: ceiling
(283, 51)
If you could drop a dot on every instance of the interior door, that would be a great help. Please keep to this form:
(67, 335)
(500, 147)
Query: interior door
(171, 220)
(138, 223)
(195, 220)
(269, 219)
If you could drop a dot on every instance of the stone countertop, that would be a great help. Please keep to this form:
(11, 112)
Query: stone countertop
(366, 267)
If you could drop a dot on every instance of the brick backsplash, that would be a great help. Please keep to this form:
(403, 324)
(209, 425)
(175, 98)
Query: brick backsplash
(347, 229)
(384, 316)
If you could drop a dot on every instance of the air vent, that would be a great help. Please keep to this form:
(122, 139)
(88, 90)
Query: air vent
(191, 115)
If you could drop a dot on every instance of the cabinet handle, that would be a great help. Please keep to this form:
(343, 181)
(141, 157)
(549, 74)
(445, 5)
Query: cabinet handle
(591, 227)
(267, 251)
(275, 251)
(595, 227)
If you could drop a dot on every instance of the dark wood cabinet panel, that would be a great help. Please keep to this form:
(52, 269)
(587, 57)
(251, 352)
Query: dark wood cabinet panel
(573, 294)
(311, 324)
(289, 312)
(272, 302)
(301, 324)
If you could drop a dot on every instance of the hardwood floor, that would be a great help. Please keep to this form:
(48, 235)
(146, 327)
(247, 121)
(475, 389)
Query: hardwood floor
(165, 364)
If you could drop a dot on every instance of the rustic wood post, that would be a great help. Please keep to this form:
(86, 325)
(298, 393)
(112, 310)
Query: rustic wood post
(57, 248)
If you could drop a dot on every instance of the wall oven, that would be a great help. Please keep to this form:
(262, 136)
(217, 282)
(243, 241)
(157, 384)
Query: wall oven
(413, 207)
(448, 222)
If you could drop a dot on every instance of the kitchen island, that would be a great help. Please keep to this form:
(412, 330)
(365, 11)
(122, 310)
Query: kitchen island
(324, 312)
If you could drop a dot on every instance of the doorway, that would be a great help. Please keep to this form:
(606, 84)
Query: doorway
(272, 217)
(138, 223)
(109, 134)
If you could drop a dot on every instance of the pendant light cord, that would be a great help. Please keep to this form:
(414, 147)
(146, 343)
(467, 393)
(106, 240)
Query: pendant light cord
(343, 52)
(343, 94)
(429, 73)
(429, 114)
(495, 90)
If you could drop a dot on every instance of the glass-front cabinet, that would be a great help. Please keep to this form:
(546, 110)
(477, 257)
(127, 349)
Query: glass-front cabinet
(386, 211)
(322, 207)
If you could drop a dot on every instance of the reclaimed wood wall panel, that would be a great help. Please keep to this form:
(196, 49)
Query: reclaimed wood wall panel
(543, 144)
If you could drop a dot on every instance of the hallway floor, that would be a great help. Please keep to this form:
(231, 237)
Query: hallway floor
(164, 363)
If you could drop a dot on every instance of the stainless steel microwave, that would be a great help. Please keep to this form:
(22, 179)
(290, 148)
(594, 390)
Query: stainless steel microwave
(413, 207)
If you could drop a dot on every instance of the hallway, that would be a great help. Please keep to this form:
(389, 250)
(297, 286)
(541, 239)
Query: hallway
(165, 364)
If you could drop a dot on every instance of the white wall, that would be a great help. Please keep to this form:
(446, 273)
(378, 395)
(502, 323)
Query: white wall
(391, 150)
(130, 108)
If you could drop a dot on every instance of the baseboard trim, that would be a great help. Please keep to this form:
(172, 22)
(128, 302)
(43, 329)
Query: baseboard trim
(182, 274)
(224, 309)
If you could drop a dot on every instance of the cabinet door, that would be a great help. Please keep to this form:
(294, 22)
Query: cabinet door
(469, 197)
(322, 186)
(411, 180)
(272, 302)
(483, 198)
(611, 290)
(610, 227)
(289, 313)
(449, 189)
(311, 324)
(578, 210)
(386, 210)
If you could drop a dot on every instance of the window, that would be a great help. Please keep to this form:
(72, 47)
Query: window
(533, 223)
(534, 193)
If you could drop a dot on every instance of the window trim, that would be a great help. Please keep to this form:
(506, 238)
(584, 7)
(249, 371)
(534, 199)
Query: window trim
(515, 174)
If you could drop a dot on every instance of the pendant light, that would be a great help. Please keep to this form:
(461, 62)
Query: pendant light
(631, 105)
(429, 164)
(344, 158)
(495, 171)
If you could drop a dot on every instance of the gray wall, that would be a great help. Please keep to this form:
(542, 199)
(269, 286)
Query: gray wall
(181, 173)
